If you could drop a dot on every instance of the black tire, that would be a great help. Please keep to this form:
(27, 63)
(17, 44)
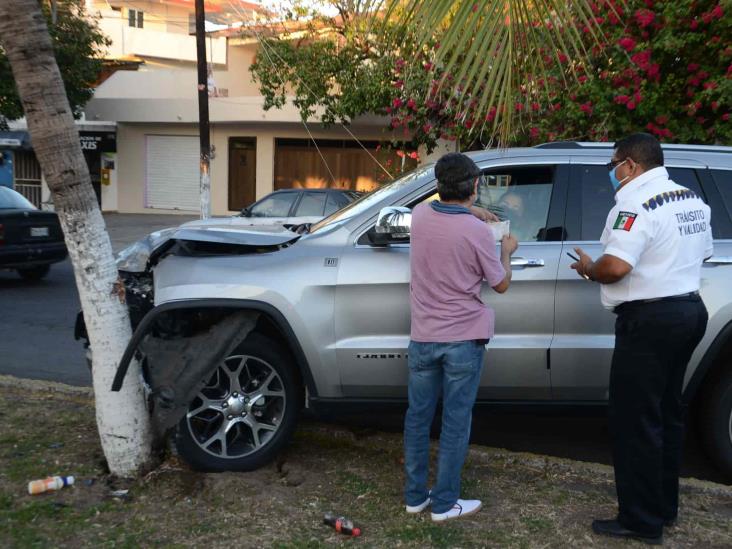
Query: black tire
(203, 440)
(34, 273)
(716, 421)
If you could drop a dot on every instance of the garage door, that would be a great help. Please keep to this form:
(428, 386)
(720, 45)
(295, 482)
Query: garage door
(172, 172)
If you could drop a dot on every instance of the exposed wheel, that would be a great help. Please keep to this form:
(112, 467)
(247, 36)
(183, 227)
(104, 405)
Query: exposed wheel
(246, 412)
(716, 422)
(34, 273)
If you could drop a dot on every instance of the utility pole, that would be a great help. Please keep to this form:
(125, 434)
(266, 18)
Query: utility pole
(203, 122)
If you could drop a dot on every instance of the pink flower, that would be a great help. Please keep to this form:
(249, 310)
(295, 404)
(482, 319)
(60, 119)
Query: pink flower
(654, 70)
(491, 114)
(692, 67)
(534, 132)
(621, 99)
(428, 66)
(399, 84)
(562, 58)
(725, 116)
(630, 105)
(715, 105)
(586, 108)
(694, 24)
(519, 107)
(411, 104)
(426, 128)
(400, 154)
(641, 58)
(535, 107)
(717, 12)
(582, 79)
(710, 85)
(627, 43)
(644, 17)
(414, 155)
(662, 119)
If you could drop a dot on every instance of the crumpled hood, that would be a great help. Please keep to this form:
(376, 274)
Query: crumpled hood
(226, 231)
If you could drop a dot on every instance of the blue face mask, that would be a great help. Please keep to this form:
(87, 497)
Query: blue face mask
(614, 179)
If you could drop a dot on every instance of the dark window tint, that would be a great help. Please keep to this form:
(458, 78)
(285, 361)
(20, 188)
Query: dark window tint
(275, 205)
(597, 201)
(521, 195)
(598, 196)
(311, 205)
(723, 179)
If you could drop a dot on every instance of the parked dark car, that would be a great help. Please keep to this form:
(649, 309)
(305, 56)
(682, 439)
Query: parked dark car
(30, 239)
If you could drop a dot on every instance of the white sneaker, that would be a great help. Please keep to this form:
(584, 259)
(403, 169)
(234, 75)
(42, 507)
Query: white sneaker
(462, 508)
(419, 508)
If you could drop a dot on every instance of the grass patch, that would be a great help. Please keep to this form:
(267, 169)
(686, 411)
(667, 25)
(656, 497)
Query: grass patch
(528, 502)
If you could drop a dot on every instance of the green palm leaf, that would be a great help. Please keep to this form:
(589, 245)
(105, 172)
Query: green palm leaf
(493, 54)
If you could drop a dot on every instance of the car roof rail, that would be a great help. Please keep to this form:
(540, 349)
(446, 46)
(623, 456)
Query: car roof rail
(608, 145)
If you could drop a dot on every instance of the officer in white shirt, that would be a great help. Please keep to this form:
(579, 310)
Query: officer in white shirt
(655, 240)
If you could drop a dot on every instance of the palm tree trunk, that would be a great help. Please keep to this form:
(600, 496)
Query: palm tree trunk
(122, 418)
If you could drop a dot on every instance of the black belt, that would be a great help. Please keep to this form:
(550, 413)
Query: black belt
(680, 297)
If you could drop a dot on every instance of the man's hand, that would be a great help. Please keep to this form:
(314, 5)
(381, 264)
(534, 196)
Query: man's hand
(483, 214)
(584, 265)
(509, 245)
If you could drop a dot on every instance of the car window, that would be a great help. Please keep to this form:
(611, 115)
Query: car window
(521, 195)
(276, 205)
(598, 196)
(596, 202)
(335, 202)
(11, 200)
(311, 205)
(723, 180)
(364, 202)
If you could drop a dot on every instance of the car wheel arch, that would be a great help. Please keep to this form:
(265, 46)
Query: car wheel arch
(271, 322)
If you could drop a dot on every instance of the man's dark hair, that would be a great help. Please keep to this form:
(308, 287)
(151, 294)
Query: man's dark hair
(642, 148)
(456, 174)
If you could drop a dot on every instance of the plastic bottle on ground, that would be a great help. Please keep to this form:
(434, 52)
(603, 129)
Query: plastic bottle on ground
(49, 484)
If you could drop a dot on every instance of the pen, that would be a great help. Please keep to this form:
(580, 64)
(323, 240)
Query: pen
(577, 259)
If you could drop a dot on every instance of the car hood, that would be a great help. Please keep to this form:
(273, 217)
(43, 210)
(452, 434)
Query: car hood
(225, 231)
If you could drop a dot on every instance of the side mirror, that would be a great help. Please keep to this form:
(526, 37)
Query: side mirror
(246, 212)
(393, 225)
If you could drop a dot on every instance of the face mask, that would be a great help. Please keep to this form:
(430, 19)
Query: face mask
(614, 179)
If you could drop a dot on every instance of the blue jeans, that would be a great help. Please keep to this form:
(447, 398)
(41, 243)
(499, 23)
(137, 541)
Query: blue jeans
(451, 370)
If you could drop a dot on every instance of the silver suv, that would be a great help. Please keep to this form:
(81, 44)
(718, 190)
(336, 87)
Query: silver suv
(248, 325)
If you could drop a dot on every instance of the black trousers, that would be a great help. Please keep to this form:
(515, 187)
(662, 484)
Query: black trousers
(653, 345)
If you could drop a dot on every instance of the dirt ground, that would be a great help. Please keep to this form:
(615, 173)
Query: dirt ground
(529, 500)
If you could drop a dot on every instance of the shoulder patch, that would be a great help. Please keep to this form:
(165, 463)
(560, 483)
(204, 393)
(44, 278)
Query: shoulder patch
(625, 221)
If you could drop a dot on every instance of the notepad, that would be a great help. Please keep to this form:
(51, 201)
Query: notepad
(500, 229)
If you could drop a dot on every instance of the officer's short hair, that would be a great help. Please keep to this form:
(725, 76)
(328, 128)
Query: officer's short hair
(456, 174)
(643, 148)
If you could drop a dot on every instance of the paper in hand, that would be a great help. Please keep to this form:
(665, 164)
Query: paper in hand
(500, 229)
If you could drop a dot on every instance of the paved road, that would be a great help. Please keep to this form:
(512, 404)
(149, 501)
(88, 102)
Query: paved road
(36, 327)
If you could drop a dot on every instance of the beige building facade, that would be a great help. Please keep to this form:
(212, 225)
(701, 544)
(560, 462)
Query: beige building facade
(254, 151)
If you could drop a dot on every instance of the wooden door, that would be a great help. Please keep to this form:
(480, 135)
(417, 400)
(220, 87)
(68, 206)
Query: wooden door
(242, 172)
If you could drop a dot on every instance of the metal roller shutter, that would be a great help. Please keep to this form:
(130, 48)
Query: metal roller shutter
(172, 172)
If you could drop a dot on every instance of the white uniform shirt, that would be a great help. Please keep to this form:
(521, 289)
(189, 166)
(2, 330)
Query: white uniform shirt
(663, 231)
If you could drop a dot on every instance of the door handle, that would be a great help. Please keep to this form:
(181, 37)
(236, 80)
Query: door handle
(523, 262)
(719, 260)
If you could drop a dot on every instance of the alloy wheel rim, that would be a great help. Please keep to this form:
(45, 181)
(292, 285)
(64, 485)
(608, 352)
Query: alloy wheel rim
(239, 410)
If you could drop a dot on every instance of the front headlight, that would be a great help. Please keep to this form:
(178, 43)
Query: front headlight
(133, 259)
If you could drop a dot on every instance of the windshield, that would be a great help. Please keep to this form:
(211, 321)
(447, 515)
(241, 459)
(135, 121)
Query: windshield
(366, 201)
(11, 200)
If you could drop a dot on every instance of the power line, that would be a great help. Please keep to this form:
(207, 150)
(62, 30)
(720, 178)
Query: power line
(304, 83)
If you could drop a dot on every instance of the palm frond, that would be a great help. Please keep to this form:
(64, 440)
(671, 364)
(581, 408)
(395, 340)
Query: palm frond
(495, 53)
